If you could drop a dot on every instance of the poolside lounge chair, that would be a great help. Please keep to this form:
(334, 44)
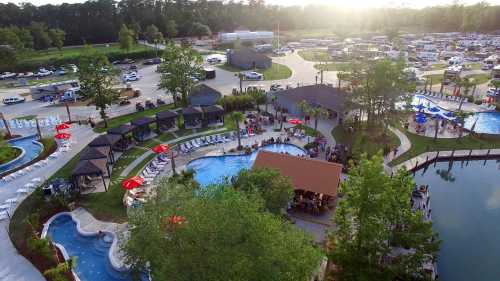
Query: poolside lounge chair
(194, 144)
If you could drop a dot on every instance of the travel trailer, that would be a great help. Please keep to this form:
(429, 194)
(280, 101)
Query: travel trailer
(53, 90)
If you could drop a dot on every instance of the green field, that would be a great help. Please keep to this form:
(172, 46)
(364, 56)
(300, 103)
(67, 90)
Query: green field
(315, 55)
(438, 66)
(478, 79)
(333, 66)
(275, 72)
(74, 52)
(436, 78)
(421, 144)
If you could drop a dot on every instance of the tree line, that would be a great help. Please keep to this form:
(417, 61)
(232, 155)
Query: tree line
(100, 21)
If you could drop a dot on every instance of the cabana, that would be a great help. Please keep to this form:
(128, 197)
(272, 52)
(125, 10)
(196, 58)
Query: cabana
(142, 131)
(87, 172)
(193, 117)
(106, 140)
(167, 121)
(213, 115)
(125, 133)
(98, 152)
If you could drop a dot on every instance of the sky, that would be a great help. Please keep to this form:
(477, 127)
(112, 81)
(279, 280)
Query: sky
(347, 3)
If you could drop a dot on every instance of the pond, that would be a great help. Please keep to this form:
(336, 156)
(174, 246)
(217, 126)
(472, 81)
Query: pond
(465, 201)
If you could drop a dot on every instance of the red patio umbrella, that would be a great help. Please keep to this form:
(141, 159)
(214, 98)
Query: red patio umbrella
(62, 136)
(132, 182)
(161, 148)
(295, 121)
(63, 126)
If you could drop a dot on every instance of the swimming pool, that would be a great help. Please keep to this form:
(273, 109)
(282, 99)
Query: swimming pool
(487, 122)
(211, 170)
(465, 200)
(31, 149)
(92, 262)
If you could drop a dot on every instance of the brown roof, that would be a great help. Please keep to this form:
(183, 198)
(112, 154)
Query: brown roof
(305, 173)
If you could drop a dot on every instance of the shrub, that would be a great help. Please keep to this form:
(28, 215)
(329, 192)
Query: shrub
(40, 247)
(59, 273)
(237, 103)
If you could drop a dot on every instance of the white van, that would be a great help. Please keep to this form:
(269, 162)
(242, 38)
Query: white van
(13, 100)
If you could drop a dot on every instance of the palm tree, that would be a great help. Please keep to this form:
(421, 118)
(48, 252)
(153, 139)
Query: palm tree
(237, 118)
(466, 84)
(313, 111)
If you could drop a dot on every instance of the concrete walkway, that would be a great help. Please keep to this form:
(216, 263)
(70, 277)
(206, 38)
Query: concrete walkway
(13, 266)
(403, 147)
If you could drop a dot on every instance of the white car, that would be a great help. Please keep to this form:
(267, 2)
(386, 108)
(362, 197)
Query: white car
(13, 100)
(25, 75)
(42, 72)
(132, 76)
(7, 75)
(73, 68)
(254, 76)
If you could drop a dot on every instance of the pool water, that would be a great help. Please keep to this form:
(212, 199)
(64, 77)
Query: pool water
(487, 122)
(465, 201)
(212, 170)
(32, 148)
(91, 252)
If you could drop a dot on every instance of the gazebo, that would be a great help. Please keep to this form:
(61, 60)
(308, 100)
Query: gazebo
(142, 130)
(106, 141)
(98, 152)
(193, 117)
(213, 115)
(167, 121)
(86, 172)
(125, 133)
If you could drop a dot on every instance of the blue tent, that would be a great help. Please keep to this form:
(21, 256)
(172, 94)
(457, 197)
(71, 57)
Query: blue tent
(434, 109)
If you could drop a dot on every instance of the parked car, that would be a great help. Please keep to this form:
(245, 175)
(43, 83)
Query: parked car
(133, 67)
(214, 60)
(13, 100)
(276, 87)
(42, 72)
(8, 75)
(152, 61)
(73, 68)
(253, 75)
(70, 95)
(131, 76)
(61, 71)
(25, 75)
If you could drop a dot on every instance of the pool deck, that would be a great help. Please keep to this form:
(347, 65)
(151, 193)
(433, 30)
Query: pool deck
(13, 266)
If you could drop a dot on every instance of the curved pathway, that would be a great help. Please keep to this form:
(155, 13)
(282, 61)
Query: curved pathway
(404, 146)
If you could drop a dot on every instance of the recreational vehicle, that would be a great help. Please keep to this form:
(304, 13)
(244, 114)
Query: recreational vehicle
(53, 90)
(495, 73)
(451, 74)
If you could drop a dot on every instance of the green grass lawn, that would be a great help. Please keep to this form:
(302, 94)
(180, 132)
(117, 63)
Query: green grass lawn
(275, 72)
(438, 66)
(8, 153)
(74, 52)
(369, 141)
(333, 66)
(315, 55)
(474, 66)
(124, 119)
(421, 144)
(479, 78)
(436, 78)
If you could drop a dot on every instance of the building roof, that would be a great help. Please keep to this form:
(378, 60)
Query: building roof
(248, 55)
(203, 95)
(213, 109)
(142, 121)
(90, 167)
(121, 130)
(105, 140)
(169, 114)
(320, 95)
(99, 152)
(192, 110)
(305, 173)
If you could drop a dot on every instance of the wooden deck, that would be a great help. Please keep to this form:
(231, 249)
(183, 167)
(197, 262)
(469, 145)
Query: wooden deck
(429, 157)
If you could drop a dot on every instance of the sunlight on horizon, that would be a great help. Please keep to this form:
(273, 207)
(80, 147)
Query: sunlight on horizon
(357, 4)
